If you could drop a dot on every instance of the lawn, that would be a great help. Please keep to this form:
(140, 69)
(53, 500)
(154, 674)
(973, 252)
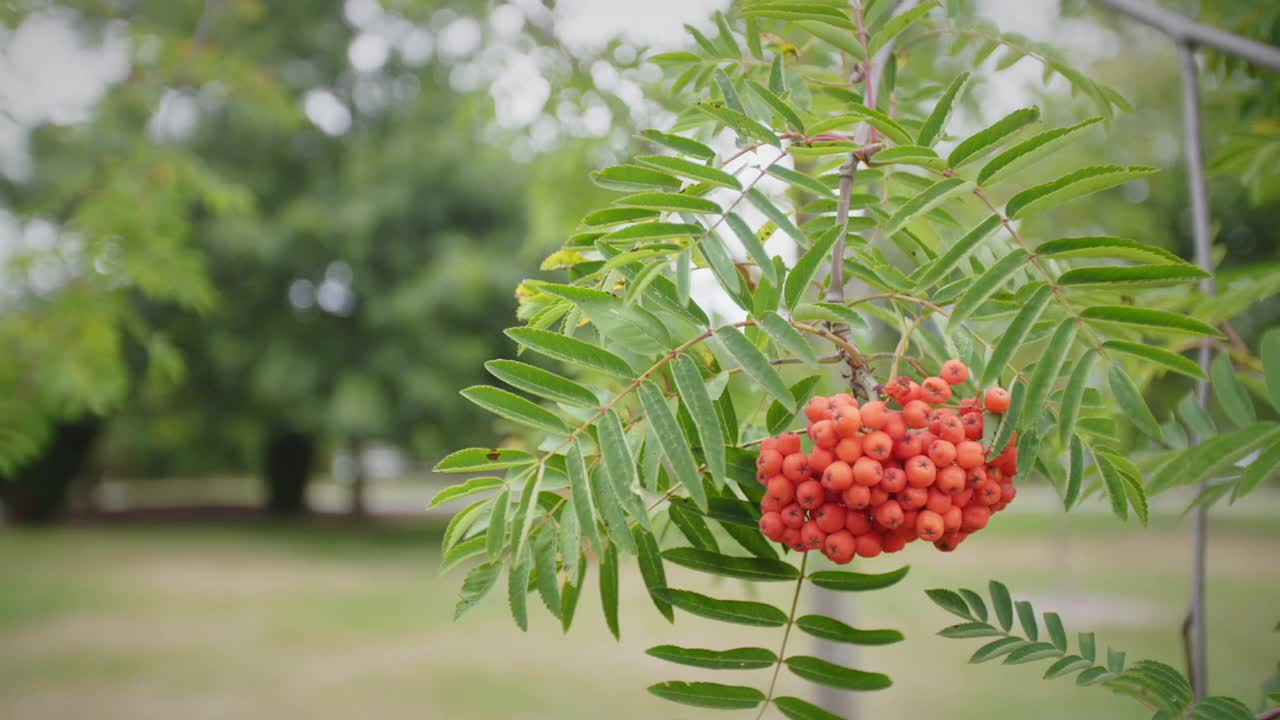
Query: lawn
(262, 621)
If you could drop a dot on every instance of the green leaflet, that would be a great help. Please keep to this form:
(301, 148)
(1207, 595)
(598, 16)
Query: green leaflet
(544, 383)
(609, 589)
(1073, 396)
(831, 629)
(820, 671)
(673, 442)
(755, 364)
(1231, 396)
(523, 518)
(741, 612)
(514, 408)
(693, 393)
(744, 658)
(478, 583)
(518, 588)
(708, 695)
(739, 123)
(472, 486)
(668, 202)
(1164, 358)
(1270, 353)
(796, 709)
(688, 169)
(482, 460)
(754, 246)
(571, 350)
(776, 216)
(785, 336)
(580, 491)
(1047, 370)
(986, 285)
(987, 139)
(837, 37)
(1013, 336)
(950, 601)
(931, 197)
(544, 562)
(1107, 247)
(1069, 187)
(681, 144)
(931, 130)
(781, 107)
(629, 178)
(652, 572)
(1148, 319)
(1129, 397)
(620, 466)
(857, 582)
(806, 268)
(1030, 151)
(746, 568)
(496, 536)
(957, 252)
(894, 26)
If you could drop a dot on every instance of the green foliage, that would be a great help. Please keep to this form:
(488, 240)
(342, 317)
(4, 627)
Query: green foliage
(1156, 685)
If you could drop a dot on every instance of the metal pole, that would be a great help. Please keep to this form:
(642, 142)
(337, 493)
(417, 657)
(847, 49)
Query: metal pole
(1199, 190)
(1185, 31)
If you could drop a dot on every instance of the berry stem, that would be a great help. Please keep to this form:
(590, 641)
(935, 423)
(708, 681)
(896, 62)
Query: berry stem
(786, 635)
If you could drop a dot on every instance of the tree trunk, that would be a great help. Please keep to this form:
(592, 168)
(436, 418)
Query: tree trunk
(37, 493)
(357, 508)
(286, 471)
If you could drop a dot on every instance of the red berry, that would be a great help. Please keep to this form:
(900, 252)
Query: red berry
(954, 372)
(921, 471)
(788, 442)
(974, 518)
(838, 477)
(868, 546)
(950, 479)
(857, 522)
(809, 494)
(893, 542)
(895, 426)
(795, 467)
(867, 472)
(916, 413)
(840, 547)
(830, 517)
(972, 423)
(819, 408)
(793, 516)
(857, 497)
(969, 454)
(812, 536)
(874, 414)
(878, 497)
(819, 460)
(942, 452)
(771, 525)
(889, 515)
(791, 538)
(894, 480)
(929, 525)
(939, 501)
(935, 390)
(781, 490)
(997, 400)
(849, 449)
(769, 462)
(913, 498)
(848, 421)
(823, 434)
(952, 518)
(878, 445)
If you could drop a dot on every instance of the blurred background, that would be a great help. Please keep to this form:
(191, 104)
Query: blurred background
(250, 251)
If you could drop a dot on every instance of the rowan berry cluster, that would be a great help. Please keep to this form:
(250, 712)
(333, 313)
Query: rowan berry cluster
(877, 478)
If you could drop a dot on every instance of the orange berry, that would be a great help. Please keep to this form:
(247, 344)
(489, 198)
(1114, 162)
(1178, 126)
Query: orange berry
(972, 423)
(898, 388)
(878, 497)
(974, 517)
(849, 449)
(848, 420)
(770, 503)
(954, 372)
(818, 408)
(823, 434)
(907, 448)
(769, 462)
(893, 542)
(874, 414)
(921, 471)
(812, 536)
(969, 454)
(868, 546)
(819, 460)
(950, 428)
(975, 476)
(810, 494)
(895, 426)
(1007, 492)
(793, 516)
(942, 452)
(939, 501)
(889, 515)
(838, 476)
(867, 472)
(997, 400)
(913, 498)
(894, 480)
(929, 525)
(791, 538)
(913, 393)
(962, 498)
(795, 467)
(916, 413)
(769, 444)
(952, 518)
(935, 390)
(781, 490)
(840, 547)
(830, 517)
(950, 479)
(771, 525)
(856, 497)
(949, 541)
(788, 443)
(878, 446)
(857, 522)
(843, 399)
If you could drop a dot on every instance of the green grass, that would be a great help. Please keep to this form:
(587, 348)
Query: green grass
(263, 621)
